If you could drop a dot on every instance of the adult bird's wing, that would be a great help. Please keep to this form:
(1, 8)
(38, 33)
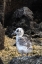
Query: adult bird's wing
(23, 41)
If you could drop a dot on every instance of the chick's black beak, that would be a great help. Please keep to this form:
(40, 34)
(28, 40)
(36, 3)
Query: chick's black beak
(14, 33)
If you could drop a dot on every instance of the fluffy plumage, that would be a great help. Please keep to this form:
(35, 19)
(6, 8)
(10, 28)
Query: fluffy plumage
(23, 43)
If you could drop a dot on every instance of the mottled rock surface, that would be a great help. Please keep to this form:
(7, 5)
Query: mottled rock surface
(27, 60)
(21, 18)
(2, 34)
(34, 5)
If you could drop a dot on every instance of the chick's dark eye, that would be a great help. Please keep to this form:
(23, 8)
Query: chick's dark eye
(17, 30)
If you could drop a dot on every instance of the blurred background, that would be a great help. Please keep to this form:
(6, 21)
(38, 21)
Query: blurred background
(12, 16)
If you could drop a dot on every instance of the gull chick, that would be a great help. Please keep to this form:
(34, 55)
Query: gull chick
(23, 44)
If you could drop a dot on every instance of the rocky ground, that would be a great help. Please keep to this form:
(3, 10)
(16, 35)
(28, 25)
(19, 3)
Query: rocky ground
(27, 60)
(10, 51)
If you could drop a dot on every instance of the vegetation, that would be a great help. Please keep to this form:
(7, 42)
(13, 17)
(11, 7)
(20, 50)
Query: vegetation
(10, 51)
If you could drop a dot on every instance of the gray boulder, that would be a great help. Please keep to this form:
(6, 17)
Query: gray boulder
(27, 60)
(23, 11)
(22, 17)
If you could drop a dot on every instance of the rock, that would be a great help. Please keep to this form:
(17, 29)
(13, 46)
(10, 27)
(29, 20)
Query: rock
(23, 11)
(40, 34)
(1, 19)
(1, 62)
(40, 26)
(17, 4)
(2, 34)
(13, 5)
(24, 17)
(9, 31)
(21, 18)
(34, 5)
(34, 25)
(27, 60)
(35, 36)
(37, 42)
